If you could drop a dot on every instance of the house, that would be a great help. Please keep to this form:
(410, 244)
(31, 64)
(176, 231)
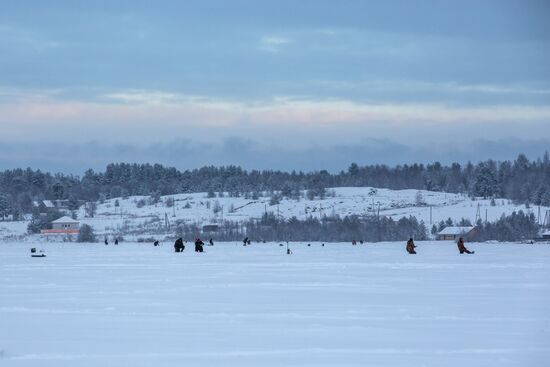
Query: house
(454, 233)
(63, 225)
(48, 204)
(44, 205)
(546, 235)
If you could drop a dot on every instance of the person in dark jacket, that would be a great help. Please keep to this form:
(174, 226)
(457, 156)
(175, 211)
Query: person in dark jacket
(211, 242)
(116, 241)
(156, 243)
(178, 245)
(246, 241)
(199, 245)
(411, 246)
(463, 248)
(106, 241)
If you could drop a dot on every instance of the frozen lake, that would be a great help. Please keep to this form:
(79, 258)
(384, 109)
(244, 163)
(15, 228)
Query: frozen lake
(338, 305)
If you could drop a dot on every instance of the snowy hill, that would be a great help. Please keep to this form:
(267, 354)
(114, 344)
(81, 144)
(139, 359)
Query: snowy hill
(139, 213)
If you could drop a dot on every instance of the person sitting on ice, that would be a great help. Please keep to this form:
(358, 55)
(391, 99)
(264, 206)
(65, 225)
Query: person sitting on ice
(106, 241)
(178, 245)
(411, 246)
(199, 245)
(116, 241)
(156, 243)
(463, 248)
(211, 242)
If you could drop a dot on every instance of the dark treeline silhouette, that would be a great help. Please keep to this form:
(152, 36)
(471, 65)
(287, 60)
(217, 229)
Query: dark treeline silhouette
(520, 180)
(346, 229)
(515, 227)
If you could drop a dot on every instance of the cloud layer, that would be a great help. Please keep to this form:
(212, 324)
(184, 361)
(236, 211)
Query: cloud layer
(292, 77)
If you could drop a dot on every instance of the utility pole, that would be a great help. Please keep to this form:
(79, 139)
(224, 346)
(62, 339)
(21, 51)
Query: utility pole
(430, 215)
(478, 213)
(485, 215)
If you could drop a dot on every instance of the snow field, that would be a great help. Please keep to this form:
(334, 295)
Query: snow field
(337, 305)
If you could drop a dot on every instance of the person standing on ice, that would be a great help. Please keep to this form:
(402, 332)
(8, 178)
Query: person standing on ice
(411, 246)
(463, 248)
(211, 242)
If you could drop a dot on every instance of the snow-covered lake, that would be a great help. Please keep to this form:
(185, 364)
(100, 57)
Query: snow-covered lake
(337, 305)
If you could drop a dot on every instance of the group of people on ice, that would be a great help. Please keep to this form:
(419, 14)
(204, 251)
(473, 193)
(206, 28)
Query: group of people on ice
(460, 243)
(179, 245)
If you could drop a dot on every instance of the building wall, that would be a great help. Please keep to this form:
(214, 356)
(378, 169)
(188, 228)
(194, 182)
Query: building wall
(65, 226)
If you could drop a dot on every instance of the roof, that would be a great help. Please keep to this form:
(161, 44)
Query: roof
(65, 219)
(48, 204)
(456, 230)
(547, 233)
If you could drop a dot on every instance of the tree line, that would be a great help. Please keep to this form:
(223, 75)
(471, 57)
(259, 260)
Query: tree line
(515, 227)
(520, 180)
(329, 229)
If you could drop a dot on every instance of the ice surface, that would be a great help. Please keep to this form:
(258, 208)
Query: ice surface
(338, 305)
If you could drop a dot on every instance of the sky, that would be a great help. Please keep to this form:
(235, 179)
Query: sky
(302, 85)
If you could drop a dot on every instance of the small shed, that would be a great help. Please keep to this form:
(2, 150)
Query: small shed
(454, 233)
(546, 235)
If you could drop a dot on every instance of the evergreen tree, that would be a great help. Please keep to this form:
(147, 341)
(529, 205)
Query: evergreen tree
(86, 234)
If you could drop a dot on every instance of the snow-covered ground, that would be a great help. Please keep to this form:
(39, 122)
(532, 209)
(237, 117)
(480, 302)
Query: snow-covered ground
(128, 216)
(197, 208)
(337, 305)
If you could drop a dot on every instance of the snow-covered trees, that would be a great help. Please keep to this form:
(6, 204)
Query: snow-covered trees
(515, 227)
(486, 184)
(520, 180)
(86, 234)
(5, 206)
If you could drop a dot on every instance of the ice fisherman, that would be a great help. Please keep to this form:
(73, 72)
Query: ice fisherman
(199, 245)
(463, 248)
(178, 245)
(411, 246)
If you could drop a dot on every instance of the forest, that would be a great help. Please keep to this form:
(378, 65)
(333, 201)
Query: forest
(521, 180)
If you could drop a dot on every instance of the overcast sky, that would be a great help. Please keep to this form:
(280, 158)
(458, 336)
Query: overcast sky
(272, 84)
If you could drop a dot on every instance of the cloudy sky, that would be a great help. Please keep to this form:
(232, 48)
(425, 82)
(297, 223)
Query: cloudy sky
(272, 84)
